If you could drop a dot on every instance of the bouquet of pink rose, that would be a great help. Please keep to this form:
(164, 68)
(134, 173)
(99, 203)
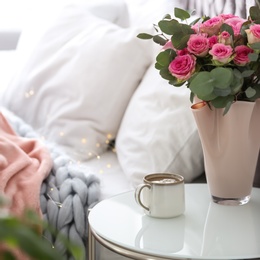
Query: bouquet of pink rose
(217, 57)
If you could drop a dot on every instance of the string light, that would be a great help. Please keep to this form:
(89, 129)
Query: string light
(108, 143)
(52, 246)
(59, 204)
(29, 93)
(83, 140)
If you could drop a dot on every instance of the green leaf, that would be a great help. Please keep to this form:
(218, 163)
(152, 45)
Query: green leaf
(255, 46)
(221, 102)
(181, 14)
(180, 35)
(227, 28)
(222, 77)
(167, 16)
(180, 32)
(253, 56)
(237, 82)
(180, 42)
(195, 21)
(228, 105)
(165, 57)
(144, 36)
(254, 12)
(168, 26)
(250, 92)
(165, 74)
(257, 94)
(222, 92)
(192, 97)
(159, 40)
(202, 86)
(247, 73)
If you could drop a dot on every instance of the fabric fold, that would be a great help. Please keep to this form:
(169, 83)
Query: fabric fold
(24, 164)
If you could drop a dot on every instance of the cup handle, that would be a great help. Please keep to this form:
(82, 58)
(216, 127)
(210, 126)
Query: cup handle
(138, 192)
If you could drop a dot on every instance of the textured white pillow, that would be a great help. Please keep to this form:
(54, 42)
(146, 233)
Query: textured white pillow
(158, 132)
(78, 81)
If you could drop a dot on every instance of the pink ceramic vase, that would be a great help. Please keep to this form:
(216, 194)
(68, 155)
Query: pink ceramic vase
(230, 146)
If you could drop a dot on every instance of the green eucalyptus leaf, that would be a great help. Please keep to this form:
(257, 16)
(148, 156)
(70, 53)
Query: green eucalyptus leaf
(192, 95)
(158, 66)
(255, 46)
(165, 57)
(253, 56)
(175, 82)
(167, 16)
(227, 28)
(250, 92)
(222, 92)
(180, 32)
(257, 93)
(237, 82)
(202, 86)
(181, 14)
(195, 21)
(221, 102)
(168, 26)
(254, 13)
(257, 21)
(181, 42)
(247, 73)
(144, 36)
(228, 105)
(164, 72)
(222, 77)
(159, 40)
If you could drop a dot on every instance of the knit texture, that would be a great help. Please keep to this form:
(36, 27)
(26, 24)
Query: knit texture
(66, 195)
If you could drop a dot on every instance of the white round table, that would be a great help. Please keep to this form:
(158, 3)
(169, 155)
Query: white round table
(205, 231)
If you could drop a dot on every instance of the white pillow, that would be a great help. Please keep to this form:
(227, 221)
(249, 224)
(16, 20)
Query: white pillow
(44, 13)
(158, 132)
(149, 12)
(78, 81)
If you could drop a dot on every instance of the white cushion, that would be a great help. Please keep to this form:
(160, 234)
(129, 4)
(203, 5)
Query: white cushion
(158, 132)
(44, 13)
(149, 11)
(78, 81)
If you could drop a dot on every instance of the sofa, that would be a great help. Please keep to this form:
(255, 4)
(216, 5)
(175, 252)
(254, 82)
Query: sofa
(84, 83)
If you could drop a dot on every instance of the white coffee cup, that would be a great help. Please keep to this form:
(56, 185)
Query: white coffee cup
(161, 195)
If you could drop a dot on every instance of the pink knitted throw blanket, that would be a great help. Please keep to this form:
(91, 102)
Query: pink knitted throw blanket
(24, 164)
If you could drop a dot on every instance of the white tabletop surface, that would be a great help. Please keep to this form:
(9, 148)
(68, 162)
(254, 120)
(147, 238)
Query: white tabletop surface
(205, 231)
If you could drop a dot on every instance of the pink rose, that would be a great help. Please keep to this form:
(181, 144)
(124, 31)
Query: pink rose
(241, 57)
(236, 24)
(196, 27)
(212, 40)
(198, 45)
(182, 52)
(211, 26)
(182, 67)
(221, 52)
(253, 33)
(225, 38)
(227, 16)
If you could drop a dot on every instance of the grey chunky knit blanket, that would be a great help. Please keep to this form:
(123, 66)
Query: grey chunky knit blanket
(66, 195)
